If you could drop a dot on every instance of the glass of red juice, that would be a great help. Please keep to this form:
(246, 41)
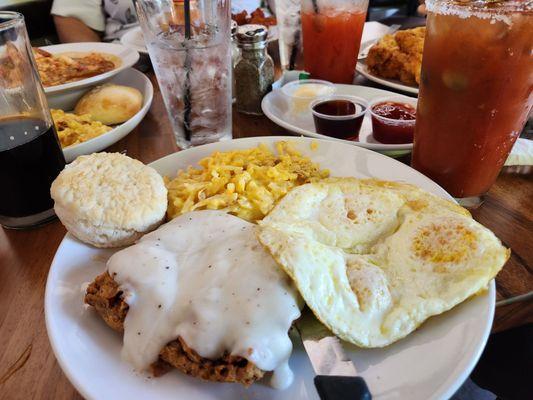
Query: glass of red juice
(475, 92)
(332, 32)
(30, 153)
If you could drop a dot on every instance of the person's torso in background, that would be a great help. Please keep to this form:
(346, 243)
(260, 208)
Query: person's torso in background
(120, 17)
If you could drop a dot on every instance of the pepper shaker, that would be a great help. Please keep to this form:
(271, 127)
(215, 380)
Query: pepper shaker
(254, 72)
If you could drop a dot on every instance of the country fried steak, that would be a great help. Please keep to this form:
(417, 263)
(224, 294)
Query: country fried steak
(107, 299)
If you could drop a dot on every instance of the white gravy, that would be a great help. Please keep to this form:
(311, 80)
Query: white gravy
(205, 277)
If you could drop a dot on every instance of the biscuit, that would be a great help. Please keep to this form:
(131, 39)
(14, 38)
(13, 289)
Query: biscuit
(109, 199)
(110, 104)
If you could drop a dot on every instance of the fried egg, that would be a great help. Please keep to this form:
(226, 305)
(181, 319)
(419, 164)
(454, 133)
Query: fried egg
(375, 259)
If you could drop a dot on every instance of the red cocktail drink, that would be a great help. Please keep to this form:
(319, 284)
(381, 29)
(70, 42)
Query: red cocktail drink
(331, 38)
(475, 91)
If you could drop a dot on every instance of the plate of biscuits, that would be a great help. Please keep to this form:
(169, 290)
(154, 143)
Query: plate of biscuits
(182, 279)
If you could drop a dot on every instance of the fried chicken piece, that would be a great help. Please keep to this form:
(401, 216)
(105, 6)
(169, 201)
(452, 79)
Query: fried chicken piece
(106, 297)
(258, 17)
(240, 18)
(383, 58)
(398, 56)
(411, 41)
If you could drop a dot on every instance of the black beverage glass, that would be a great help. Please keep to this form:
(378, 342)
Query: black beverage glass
(30, 153)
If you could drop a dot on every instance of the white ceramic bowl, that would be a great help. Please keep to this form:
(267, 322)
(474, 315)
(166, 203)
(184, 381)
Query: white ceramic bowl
(127, 55)
(67, 100)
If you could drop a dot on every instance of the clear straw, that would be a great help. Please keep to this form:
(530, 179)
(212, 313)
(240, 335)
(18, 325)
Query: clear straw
(187, 98)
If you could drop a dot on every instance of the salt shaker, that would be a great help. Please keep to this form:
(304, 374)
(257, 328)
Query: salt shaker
(254, 72)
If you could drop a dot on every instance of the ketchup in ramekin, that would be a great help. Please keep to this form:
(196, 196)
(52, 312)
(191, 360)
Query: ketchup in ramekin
(393, 120)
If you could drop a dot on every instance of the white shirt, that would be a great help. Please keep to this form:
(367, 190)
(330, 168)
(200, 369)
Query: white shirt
(114, 17)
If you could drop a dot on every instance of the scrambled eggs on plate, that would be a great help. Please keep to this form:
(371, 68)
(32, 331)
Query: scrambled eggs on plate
(73, 129)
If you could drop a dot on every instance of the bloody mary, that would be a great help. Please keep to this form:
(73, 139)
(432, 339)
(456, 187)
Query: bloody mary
(475, 91)
(331, 38)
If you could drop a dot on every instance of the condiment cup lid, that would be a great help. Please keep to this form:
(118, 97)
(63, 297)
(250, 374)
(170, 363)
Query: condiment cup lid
(360, 104)
(393, 99)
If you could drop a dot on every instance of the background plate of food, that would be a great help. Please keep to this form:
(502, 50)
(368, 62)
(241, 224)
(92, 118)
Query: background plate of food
(68, 66)
(259, 16)
(85, 127)
(297, 117)
(395, 60)
(430, 363)
(134, 38)
(362, 68)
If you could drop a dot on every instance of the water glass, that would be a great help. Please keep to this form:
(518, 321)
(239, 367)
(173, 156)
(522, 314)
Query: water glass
(190, 47)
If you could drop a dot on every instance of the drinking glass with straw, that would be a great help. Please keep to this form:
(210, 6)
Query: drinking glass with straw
(190, 47)
(331, 31)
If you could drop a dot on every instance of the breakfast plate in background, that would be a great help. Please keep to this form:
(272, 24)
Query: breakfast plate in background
(275, 107)
(362, 68)
(440, 354)
(134, 39)
(126, 56)
(67, 100)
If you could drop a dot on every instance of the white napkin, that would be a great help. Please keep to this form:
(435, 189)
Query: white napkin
(521, 153)
(373, 30)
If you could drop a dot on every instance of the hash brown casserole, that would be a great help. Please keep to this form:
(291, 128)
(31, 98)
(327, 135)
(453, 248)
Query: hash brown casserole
(57, 69)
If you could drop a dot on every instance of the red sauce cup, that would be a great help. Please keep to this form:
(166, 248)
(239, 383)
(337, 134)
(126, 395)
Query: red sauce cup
(339, 116)
(390, 130)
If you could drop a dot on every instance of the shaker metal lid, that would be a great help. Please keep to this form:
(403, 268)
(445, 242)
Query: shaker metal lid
(251, 33)
(234, 27)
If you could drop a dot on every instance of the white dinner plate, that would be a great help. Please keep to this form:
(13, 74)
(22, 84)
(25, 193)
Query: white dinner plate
(67, 100)
(276, 108)
(362, 68)
(135, 40)
(127, 56)
(431, 363)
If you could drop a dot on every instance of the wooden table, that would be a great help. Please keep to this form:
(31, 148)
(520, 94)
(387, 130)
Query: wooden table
(28, 368)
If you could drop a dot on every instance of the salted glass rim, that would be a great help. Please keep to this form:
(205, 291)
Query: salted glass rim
(479, 8)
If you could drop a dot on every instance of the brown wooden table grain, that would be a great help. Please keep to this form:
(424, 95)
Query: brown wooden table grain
(28, 368)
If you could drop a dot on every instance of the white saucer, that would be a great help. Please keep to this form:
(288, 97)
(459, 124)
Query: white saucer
(275, 107)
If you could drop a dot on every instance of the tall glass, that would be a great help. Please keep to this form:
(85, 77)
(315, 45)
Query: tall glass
(30, 153)
(332, 31)
(289, 30)
(190, 47)
(475, 92)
